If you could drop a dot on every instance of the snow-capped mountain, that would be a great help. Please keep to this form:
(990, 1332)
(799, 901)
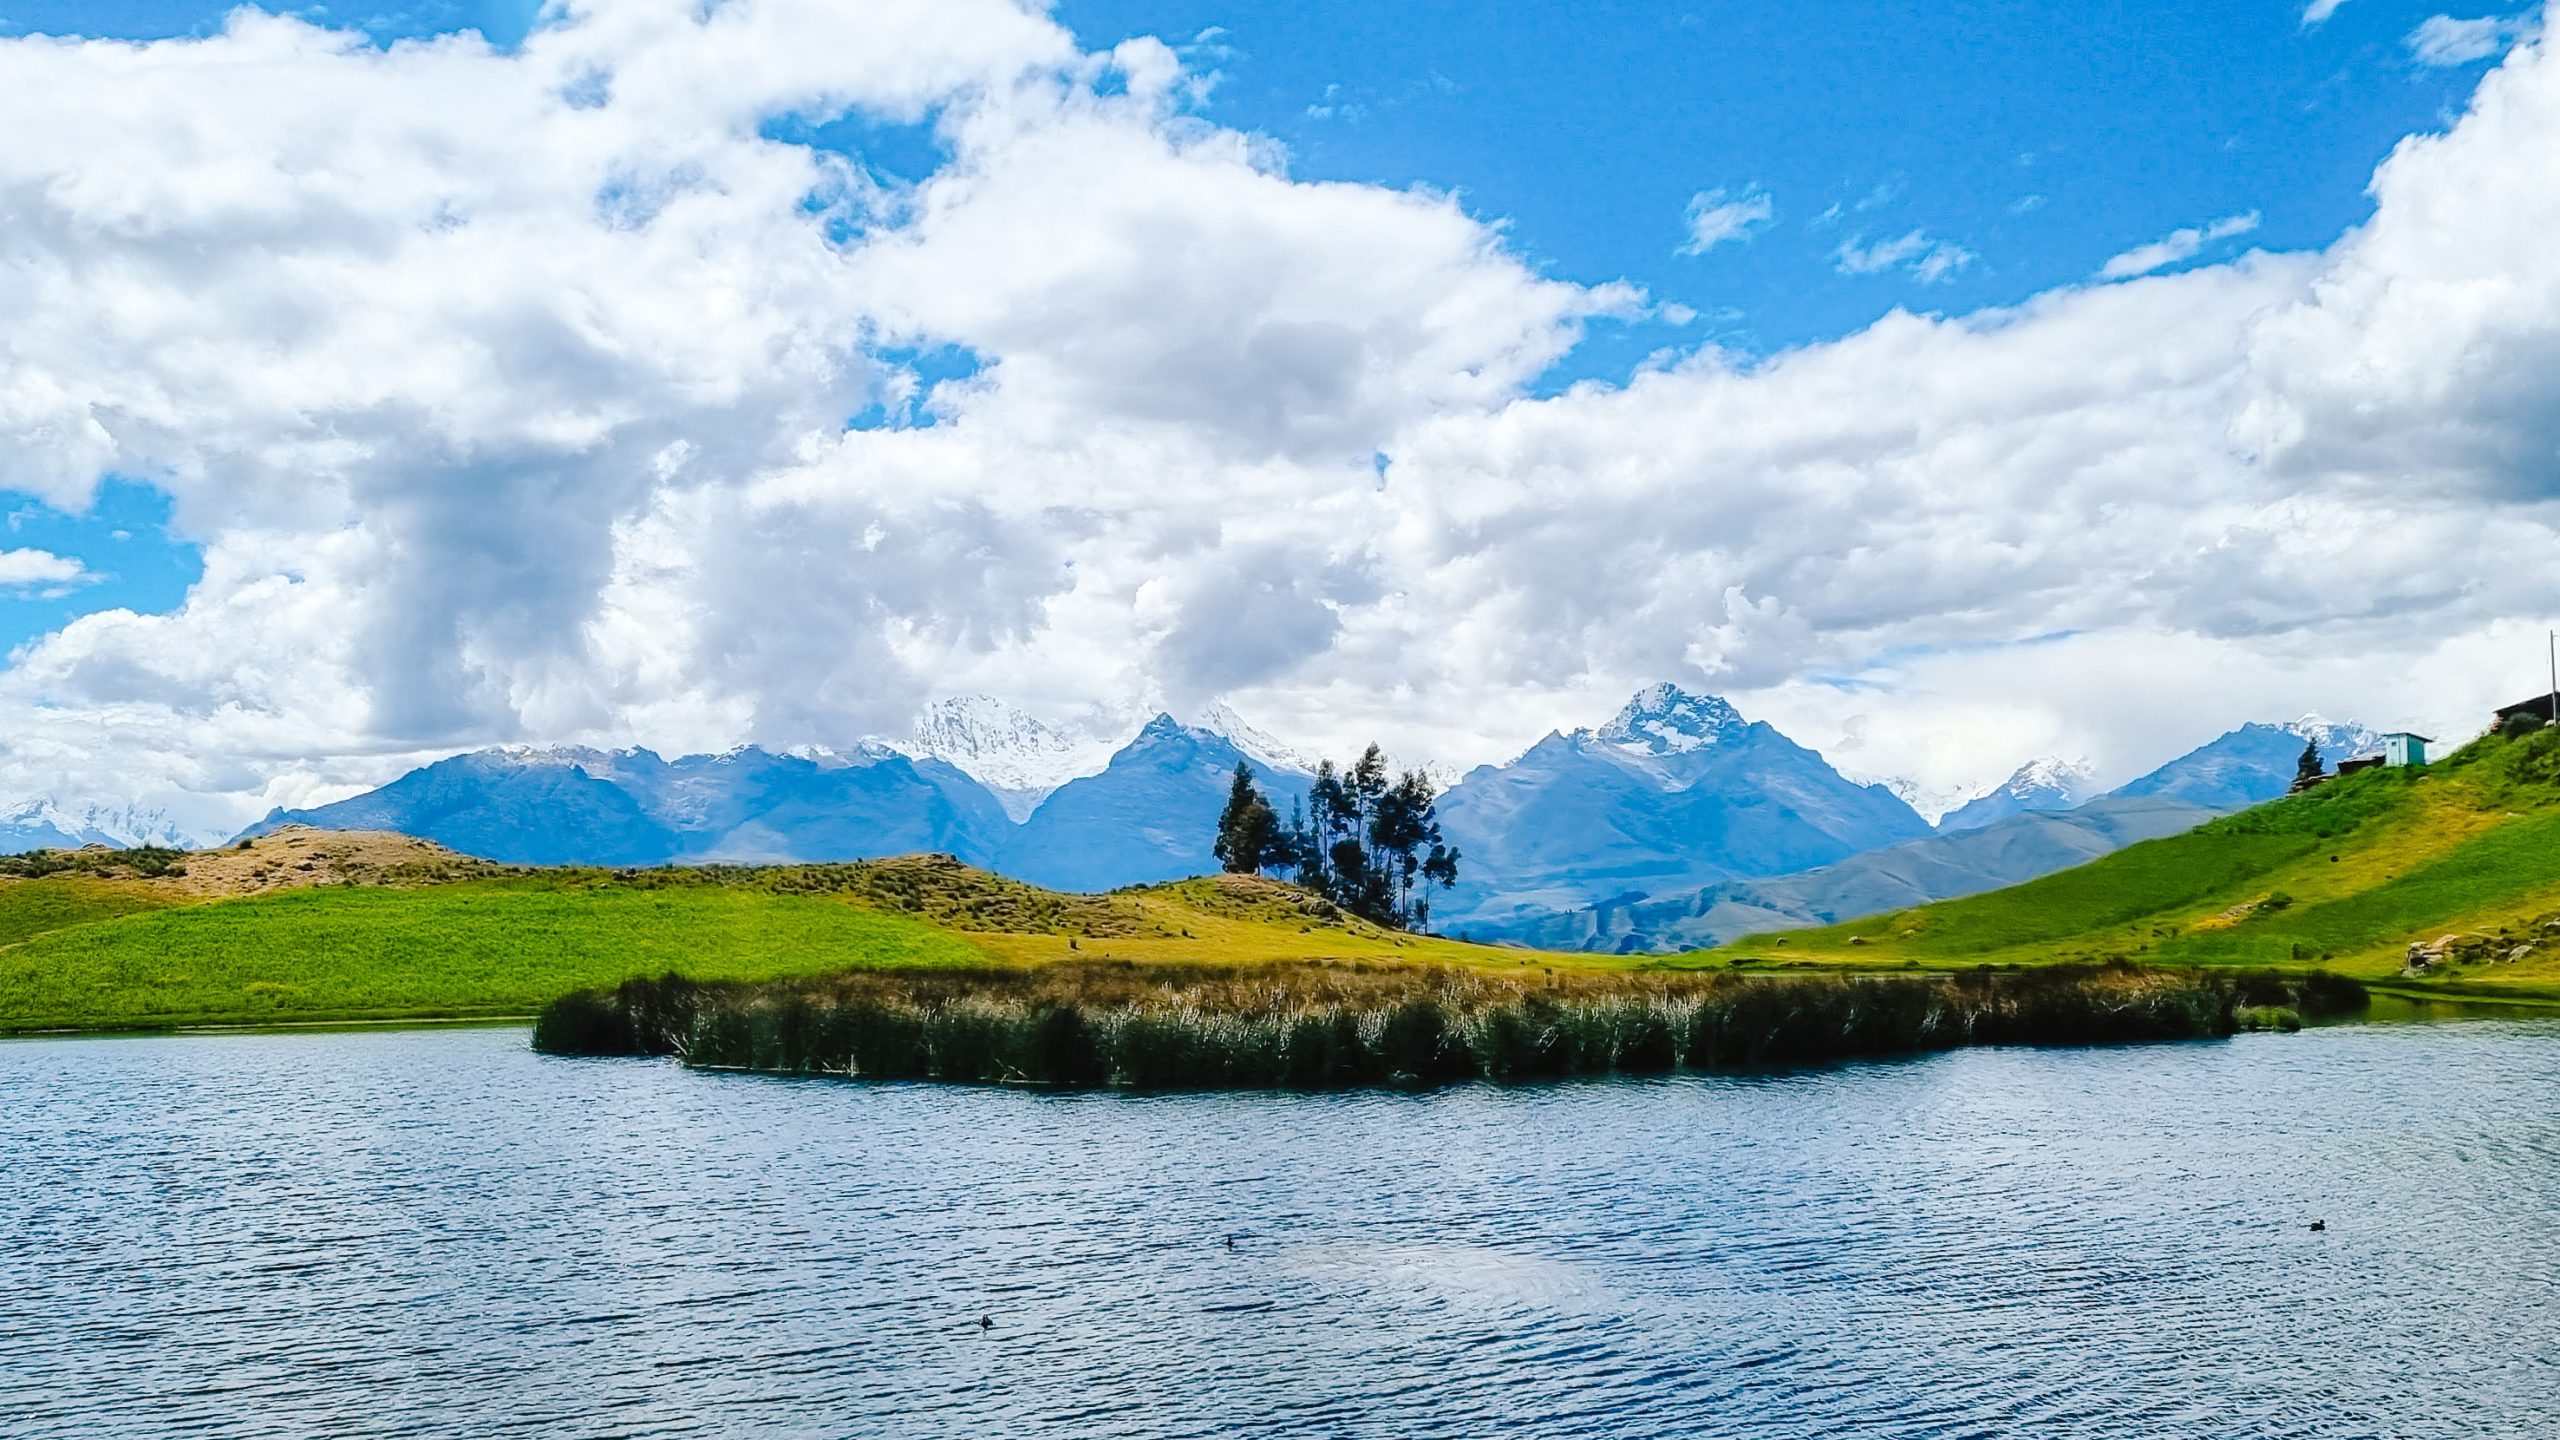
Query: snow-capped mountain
(1676, 792)
(47, 824)
(1257, 745)
(1667, 720)
(1677, 795)
(2047, 784)
(2040, 820)
(1017, 756)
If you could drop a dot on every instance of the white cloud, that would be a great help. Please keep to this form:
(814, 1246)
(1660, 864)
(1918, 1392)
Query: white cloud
(1930, 259)
(1717, 216)
(2318, 12)
(2442, 40)
(505, 394)
(2177, 247)
(32, 569)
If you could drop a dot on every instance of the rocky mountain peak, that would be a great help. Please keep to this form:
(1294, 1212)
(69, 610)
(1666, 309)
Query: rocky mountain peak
(1664, 719)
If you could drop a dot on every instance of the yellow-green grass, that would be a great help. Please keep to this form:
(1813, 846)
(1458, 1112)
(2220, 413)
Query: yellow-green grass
(2342, 878)
(29, 908)
(478, 949)
(1218, 920)
(507, 946)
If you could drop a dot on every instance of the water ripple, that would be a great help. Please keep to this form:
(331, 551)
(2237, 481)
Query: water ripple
(440, 1234)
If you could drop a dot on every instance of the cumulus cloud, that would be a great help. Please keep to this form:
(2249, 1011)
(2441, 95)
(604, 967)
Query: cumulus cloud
(2177, 247)
(2317, 13)
(506, 395)
(1718, 216)
(2442, 40)
(1930, 259)
(41, 570)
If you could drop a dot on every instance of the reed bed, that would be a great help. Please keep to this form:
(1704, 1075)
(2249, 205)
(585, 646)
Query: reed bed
(1322, 1025)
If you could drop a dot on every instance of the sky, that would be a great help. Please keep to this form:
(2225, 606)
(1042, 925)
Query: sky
(1950, 384)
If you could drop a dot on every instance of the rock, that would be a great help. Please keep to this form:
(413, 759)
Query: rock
(2518, 953)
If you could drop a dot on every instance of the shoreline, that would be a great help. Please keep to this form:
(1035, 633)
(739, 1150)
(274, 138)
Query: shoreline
(269, 1027)
(2466, 1003)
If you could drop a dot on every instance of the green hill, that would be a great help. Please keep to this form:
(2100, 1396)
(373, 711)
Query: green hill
(2462, 858)
(224, 939)
(479, 948)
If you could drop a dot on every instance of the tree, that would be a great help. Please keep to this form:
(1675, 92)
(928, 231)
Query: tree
(1370, 841)
(2307, 770)
(1249, 838)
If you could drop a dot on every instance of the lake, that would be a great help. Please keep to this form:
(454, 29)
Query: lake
(438, 1233)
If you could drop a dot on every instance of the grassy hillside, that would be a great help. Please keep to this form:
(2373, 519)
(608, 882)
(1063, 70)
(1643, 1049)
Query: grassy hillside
(29, 908)
(482, 947)
(309, 926)
(2345, 877)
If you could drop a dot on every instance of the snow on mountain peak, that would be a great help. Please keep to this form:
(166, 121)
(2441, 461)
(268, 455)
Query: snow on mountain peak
(1219, 720)
(1664, 719)
(2052, 777)
(2338, 739)
(1006, 749)
(122, 826)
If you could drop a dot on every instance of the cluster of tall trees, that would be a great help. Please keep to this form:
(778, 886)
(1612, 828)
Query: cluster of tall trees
(1368, 841)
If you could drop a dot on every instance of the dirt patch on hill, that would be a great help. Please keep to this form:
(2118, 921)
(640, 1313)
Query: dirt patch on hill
(297, 856)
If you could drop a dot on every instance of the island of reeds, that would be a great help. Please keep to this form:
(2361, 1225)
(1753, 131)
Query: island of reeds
(1086, 1024)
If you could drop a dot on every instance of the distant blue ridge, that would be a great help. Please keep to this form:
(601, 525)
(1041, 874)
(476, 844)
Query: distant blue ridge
(1670, 826)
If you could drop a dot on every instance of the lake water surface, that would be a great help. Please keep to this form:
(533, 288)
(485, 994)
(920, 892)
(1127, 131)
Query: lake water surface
(440, 1233)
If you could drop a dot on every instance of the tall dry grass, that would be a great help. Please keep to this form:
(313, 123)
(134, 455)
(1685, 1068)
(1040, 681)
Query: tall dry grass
(1305, 1024)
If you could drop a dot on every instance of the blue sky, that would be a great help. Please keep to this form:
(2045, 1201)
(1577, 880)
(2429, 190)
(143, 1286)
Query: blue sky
(2039, 139)
(532, 395)
(2042, 137)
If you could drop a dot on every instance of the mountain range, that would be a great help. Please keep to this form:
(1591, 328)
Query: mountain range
(1678, 822)
(574, 806)
(2038, 786)
(2033, 824)
(48, 825)
(1678, 790)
